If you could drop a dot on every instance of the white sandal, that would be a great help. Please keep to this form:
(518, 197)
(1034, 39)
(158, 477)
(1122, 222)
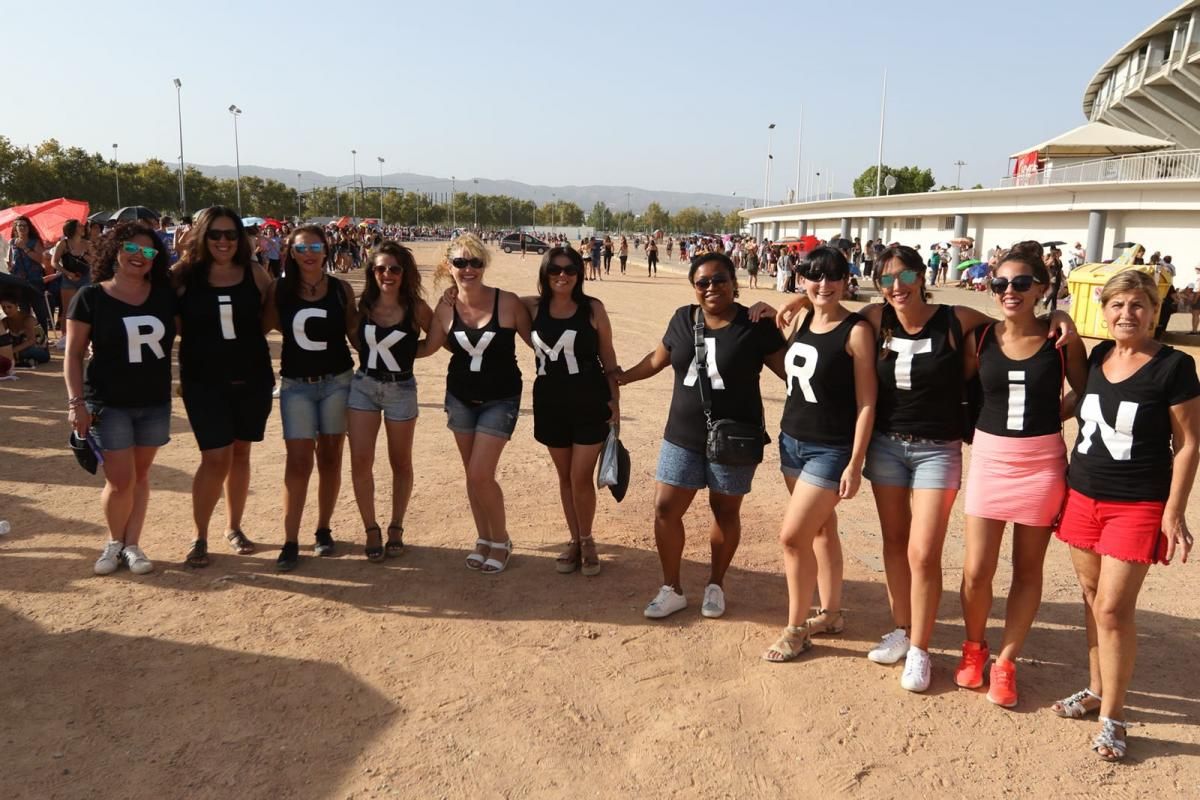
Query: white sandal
(1073, 708)
(476, 560)
(1107, 738)
(494, 566)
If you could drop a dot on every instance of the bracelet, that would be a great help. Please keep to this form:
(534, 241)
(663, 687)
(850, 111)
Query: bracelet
(72, 402)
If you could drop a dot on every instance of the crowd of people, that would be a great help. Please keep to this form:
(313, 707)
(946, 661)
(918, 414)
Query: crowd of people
(879, 393)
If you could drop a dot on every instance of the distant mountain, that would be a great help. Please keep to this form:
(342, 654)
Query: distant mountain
(615, 197)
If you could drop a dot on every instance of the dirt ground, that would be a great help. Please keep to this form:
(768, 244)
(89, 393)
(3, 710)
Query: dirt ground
(421, 679)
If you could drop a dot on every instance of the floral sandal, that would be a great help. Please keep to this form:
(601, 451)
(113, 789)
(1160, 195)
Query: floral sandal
(1106, 740)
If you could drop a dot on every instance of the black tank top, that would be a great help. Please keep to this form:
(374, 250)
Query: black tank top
(222, 338)
(483, 361)
(387, 349)
(1020, 398)
(821, 405)
(314, 334)
(920, 378)
(569, 371)
(76, 264)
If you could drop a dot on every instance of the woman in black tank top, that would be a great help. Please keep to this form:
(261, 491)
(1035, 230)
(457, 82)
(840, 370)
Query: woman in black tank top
(479, 327)
(914, 461)
(225, 368)
(826, 427)
(1018, 466)
(574, 394)
(315, 313)
(392, 315)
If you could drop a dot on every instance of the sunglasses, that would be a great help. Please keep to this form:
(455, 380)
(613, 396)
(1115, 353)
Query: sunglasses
(315, 247)
(1021, 283)
(463, 263)
(703, 283)
(384, 269)
(908, 277)
(569, 270)
(147, 252)
(830, 275)
(216, 234)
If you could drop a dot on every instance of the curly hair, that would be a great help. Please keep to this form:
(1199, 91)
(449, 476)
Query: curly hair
(471, 246)
(410, 285)
(110, 246)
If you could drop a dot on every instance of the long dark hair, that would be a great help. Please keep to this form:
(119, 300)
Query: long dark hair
(410, 285)
(544, 290)
(196, 259)
(910, 259)
(291, 270)
(34, 236)
(110, 245)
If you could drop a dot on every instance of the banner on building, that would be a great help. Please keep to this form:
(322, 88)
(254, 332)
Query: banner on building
(1025, 169)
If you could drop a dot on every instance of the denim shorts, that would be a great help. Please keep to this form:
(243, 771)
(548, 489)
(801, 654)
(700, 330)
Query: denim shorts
(819, 464)
(686, 469)
(121, 428)
(917, 465)
(67, 283)
(309, 409)
(495, 417)
(396, 399)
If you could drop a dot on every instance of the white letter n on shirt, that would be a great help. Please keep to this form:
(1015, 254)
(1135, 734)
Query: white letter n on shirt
(1118, 439)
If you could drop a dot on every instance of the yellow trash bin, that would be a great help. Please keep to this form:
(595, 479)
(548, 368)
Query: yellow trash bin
(1087, 281)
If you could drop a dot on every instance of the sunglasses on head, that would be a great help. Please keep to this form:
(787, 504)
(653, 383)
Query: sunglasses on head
(315, 247)
(818, 274)
(716, 280)
(383, 269)
(1021, 283)
(463, 263)
(147, 252)
(556, 270)
(907, 277)
(217, 234)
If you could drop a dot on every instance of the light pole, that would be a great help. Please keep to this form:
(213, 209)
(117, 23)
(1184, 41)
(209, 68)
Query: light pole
(117, 175)
(353, 194)
(475, 202)
(767, 180)
(299, 213)
(237, 155)
(958, 180)
(380, 159)
(453, 191)
(179, 113)
(554, 209)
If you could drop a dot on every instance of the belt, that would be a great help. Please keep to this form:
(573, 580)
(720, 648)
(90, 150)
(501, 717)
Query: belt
(909, 438)
(386, 376)
(313, 378)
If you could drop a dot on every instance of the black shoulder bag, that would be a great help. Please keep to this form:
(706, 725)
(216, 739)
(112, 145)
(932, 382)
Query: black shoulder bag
(729, 442)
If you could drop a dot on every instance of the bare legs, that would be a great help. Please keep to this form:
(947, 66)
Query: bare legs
(480, 454)
(126, 492)
(222, 468)
(326, 453)
(827, 548)
(575, 466)
(364, 432)
(807, 511)
(670, 504)
(984, 538)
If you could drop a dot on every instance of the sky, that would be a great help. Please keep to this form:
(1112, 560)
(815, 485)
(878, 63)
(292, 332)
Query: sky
(659, 95)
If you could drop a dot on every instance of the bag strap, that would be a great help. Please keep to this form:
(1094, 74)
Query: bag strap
(702, 380)
(979, 340)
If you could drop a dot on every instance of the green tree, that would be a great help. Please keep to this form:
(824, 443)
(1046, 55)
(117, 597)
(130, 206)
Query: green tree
(655, 218)
(909, 180)
(601, 217)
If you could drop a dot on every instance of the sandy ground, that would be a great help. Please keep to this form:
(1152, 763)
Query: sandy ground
(421, 679)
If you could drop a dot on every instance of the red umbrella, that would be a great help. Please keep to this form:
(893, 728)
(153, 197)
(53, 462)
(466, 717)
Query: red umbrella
(271, 223)
(343, 222)
(47, 217)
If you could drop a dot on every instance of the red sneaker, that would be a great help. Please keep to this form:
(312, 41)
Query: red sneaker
(1003, 689)
(969, 674)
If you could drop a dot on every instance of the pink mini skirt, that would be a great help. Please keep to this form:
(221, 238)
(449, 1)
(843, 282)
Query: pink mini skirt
(1020, 480)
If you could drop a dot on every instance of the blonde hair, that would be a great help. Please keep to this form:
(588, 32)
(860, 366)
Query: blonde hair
(1130, 280)
(470, 245)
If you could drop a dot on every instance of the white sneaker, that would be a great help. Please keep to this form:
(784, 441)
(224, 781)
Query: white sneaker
(136, 560)
(276, 390)
(915, 677)
(891, 648)
(110, 558)
(714, 601)
(61, 344)
(665, 603)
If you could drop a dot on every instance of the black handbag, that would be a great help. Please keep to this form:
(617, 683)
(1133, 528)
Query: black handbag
(729, 442)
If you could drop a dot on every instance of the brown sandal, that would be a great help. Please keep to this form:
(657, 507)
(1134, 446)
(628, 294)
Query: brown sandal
(791, 644)
(374, 554)
(240, 544)
(590, 559)
(198, 556)
(568, 560)
(394, 547)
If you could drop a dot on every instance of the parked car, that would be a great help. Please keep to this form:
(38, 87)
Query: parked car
(532, 244)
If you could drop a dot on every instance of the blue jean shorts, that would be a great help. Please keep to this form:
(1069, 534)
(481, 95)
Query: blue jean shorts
(121, 428)
(819, 464)
(495, 417)
(918, 465)
(396, 399)
(678, 466)
(309, 409)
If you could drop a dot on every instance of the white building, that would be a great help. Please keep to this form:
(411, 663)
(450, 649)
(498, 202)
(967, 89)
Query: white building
(1132, 173)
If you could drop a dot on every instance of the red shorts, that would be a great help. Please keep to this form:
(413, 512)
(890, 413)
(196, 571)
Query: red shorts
(1125, 530)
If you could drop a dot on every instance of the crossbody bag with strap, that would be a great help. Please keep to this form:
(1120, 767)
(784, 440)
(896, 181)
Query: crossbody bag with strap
(729, 441)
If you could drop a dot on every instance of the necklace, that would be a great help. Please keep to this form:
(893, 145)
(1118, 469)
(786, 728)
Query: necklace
(311, 288)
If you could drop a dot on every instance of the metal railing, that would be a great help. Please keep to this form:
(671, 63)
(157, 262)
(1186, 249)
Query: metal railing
(1169, 165)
